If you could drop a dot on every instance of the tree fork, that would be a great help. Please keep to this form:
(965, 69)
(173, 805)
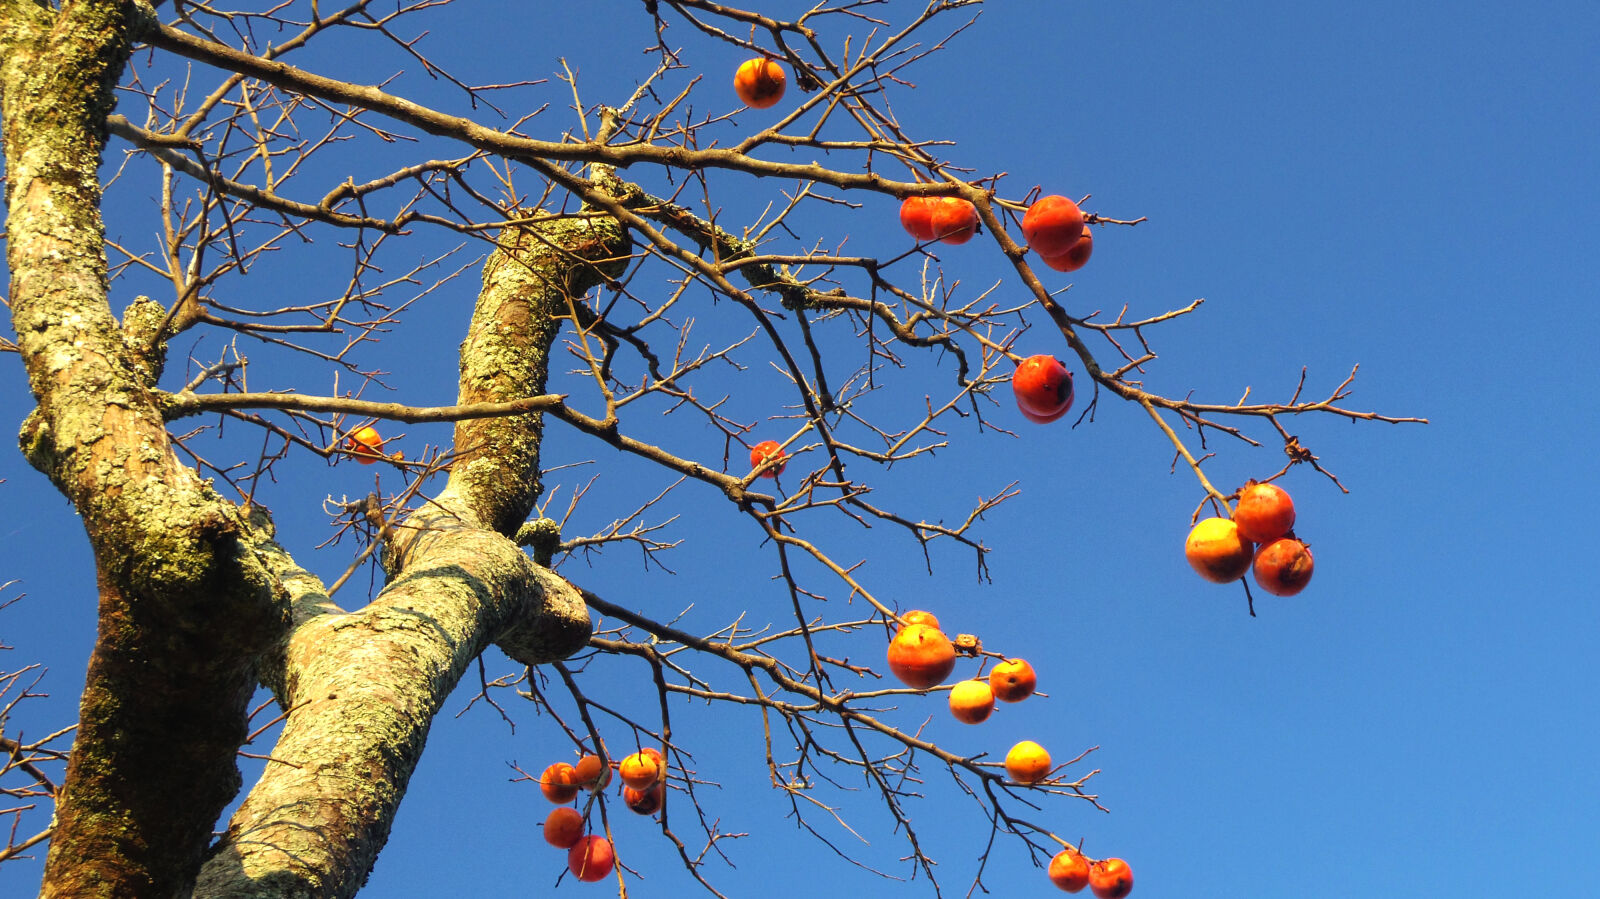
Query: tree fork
(362, 688)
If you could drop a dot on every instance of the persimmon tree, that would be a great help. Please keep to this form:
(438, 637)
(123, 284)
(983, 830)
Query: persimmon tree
(603, 229)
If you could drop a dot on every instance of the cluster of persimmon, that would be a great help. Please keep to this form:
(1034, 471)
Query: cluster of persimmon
(922, 657)
(1259, 538)
(590, 857)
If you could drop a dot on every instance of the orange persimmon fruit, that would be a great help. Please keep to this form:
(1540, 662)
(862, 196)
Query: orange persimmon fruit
(645, 801)
(1052, 225)
(1042, 387)
(592, 773)
(1110, 878)
(641, 771)
(1076, 256)
(765, 450)
(921, 656)
(971, 701)
(1283, 567)
(916, 216)
(954, 220)
(1264, 513)
(1217, 551)
(1013, 680)
(917, 616)
(760, 82)
(1069, 870)
(591, 858)
(559, 783)
(1028, 762)
(564, 827)
(365, 444)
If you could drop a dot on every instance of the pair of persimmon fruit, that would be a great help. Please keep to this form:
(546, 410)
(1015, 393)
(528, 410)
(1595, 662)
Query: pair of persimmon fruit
(1221, 550)
(590, 857)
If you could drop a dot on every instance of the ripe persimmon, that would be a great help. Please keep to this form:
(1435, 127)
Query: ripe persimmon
(916, 216)
(1013, 680)
(954, 220)
(1110, 878)
(971, 701)
(917, 616)
(1217, 551)
(559, 783)
(365, 444)
(921, 656)
(641, 771)
(1076, 256)
(1028, 762)
(591, 858)
(759, 82)
(564, 827)
(768, 449)
(1069, 870)
(1042, 387)
(645, 801)
(1265, 512)
(1283, 567)
(592, 773)
(1052, 225)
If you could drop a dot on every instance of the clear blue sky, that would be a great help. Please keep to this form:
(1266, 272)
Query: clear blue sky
(1410, 187)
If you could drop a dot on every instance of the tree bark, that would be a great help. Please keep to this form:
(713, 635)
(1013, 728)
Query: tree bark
(184, 608)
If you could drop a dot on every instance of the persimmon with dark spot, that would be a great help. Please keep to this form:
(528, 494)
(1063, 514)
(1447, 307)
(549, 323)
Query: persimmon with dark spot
(1013, 680)
(1042, 387)
(1283, 567)
(1110, 878)
(1028, 762)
